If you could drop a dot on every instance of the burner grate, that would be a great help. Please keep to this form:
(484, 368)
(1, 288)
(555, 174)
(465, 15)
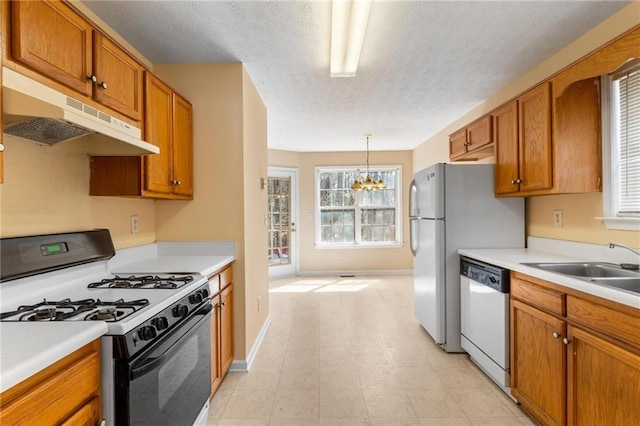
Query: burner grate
(143, 282)
(67, 309)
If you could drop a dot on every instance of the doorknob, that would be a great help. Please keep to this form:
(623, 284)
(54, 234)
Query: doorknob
(293, 227)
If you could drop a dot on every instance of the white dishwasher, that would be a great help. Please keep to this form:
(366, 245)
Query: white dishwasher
(484, 307)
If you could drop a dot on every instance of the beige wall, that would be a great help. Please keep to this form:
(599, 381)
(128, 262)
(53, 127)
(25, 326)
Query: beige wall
(326, 260)
(46, 190)
(229, 123)
(579, 210)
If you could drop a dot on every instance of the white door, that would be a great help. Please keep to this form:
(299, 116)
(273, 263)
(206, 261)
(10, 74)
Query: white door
(282, 221)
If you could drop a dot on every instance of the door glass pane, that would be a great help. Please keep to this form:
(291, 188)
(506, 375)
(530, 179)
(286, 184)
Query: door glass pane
(279, 221)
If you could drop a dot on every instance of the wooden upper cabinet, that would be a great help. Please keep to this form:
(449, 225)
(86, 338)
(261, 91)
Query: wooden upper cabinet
(168, 124)
(158, 129)
(505, 131)
(52, 39)
(534, 119)
(182, 146)
(472, 142)
(458, 143)
(119, 78)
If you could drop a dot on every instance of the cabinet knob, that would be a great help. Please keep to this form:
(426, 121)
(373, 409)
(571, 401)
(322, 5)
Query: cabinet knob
(178, 182)
(513, 181)
(566, 341)
(518, 180)
(1, 147)
(222, 304)
(466, 144)
(556, 335)
(102, 422)
(102, 84)
(92, 77)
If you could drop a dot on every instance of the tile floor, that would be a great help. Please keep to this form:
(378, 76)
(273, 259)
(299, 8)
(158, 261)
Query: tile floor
(348, 351)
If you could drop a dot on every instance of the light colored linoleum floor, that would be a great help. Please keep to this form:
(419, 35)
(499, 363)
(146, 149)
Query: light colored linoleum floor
(348, 351)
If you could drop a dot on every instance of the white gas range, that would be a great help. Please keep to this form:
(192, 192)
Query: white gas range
(156, 352)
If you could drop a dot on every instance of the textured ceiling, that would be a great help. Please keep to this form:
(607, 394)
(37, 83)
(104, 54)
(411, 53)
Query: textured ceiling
(423, 65)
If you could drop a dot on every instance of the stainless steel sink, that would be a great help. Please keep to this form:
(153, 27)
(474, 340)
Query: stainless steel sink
(628, 284)
(587, 269)
(600, 273)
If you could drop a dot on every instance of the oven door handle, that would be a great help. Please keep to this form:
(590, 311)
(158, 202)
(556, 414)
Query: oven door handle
(151, 363)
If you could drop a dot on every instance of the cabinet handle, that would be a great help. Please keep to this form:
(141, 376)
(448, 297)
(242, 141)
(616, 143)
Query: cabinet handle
(102, 422)
(518, 180)
(566, 341)
(178, 182)
(92, 77)
(513, 181)
(102, 84)
(1, 147)
(556, 335)
(222, 305)
(466, 144)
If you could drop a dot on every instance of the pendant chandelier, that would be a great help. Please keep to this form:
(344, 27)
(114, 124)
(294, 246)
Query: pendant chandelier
(367, 183)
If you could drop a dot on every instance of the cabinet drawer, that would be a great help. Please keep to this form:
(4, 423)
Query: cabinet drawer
(214, 284)
(547, 299)
(226, 277)
(614, 323)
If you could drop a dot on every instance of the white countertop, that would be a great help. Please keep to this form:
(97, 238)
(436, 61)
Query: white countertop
(203, 265)
(512, 259)
(29, 347)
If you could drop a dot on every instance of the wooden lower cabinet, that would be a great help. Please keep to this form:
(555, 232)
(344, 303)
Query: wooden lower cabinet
(567, 366)
(67, 393)
(221, 287)
(538, 368)
(604, 381)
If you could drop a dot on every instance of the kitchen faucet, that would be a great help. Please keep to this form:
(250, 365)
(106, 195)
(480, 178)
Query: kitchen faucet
(634, 251)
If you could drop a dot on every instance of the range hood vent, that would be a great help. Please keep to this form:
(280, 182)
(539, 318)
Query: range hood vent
(41, 114)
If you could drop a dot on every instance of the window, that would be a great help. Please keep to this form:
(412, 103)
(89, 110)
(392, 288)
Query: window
(621, 148)
(357, 218)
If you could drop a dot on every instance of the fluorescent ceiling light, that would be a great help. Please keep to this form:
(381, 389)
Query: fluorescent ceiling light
(348, 26)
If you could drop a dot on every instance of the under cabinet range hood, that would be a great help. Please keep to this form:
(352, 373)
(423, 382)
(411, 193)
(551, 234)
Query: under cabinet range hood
(41, 114)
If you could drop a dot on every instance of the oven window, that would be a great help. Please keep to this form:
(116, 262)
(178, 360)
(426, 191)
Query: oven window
(174, 373)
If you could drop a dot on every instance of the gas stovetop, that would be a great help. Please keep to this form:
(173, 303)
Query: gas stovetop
(75, 310)
(165, 282)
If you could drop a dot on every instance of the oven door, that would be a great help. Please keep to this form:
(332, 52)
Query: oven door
(170, 382)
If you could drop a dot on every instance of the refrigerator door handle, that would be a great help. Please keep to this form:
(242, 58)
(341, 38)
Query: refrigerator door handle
(414, 211)
(413, 242)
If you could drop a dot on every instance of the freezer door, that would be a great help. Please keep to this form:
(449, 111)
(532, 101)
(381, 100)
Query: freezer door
(429, 277)
(427, 193)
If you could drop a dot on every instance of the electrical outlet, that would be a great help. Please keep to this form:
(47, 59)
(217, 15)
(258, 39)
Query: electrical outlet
(340, 256)
(134, 224)
(259, 303)
(557, 218)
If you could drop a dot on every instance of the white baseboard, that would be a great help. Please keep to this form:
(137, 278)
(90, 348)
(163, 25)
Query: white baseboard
(243, 365)
(358, 273)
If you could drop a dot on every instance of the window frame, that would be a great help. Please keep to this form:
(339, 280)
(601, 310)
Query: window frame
(357, 209)
(613, 218)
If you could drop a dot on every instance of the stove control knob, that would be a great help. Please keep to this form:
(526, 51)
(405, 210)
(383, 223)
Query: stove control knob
(205, 293)
(147, 332)
(180, 311)
(160, 323)
(195, 298)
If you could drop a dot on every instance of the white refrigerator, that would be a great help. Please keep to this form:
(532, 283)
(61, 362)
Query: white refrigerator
(453, 206)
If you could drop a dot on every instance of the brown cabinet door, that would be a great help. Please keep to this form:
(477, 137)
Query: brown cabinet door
(479, 133)
(87, 415)
(182, 146)
(216, 376)
(458, 143)
(538, 363)
(534, 112)
(604, 382)
(505, 128)
(50, 38)
(119, 78)
(157, 130)
(226, 329)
